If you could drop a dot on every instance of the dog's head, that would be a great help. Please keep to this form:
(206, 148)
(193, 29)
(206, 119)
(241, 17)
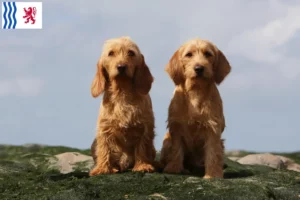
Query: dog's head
(198, 60)
(121, 62)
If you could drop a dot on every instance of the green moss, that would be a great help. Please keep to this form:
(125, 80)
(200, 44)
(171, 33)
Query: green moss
(20, 178)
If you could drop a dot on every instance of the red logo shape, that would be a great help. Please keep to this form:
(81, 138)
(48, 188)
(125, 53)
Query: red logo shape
(30, 14)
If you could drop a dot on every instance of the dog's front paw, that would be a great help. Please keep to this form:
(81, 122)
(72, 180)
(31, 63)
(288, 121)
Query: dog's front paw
(103, 170)
(143, 168)
(207, 176)
(174, 169)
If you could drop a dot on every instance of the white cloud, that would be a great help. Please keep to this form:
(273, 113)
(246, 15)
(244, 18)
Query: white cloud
(263, 44)
(265, 47)
(23, 86)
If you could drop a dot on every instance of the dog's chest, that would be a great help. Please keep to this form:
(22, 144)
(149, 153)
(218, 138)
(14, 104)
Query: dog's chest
(197, 110)
(125, 114)
(200, 116)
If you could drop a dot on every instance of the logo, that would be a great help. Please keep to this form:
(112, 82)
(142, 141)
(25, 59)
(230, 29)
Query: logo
(30, 14)
(22, 15)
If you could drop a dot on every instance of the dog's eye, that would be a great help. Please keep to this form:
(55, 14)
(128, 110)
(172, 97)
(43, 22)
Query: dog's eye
(189, 54)
(111, 53)
(131, 53)
(207, 54)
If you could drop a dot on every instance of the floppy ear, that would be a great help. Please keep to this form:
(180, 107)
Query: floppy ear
(98, 84)
(221, 68)
(174, 69)
(143, 78)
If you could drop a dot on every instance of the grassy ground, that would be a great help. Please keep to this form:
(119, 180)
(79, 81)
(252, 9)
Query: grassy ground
(24, 174)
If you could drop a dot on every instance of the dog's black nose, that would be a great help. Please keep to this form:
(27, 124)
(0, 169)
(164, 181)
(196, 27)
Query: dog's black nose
(199, 69)
(122, 68)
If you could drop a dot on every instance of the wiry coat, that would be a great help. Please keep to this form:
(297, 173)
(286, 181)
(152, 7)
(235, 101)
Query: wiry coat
(195, 118)
(125, 126)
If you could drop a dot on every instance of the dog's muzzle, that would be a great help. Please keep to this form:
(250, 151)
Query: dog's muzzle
(199, 70)
(121, 69)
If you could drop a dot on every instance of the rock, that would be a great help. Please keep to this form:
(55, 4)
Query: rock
(286, 161)
(233, 158)
(265, 159)
(159, 196)
(274, 161)
(70, 161)
(294, 167)
(192, 180)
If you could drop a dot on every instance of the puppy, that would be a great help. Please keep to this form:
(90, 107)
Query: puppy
(195, 116)
(125, 126)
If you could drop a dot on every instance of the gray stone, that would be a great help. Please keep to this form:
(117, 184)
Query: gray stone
(234, 158)
(294, 167)
(265, 159)
(70, 161)
(192, 180)
(286, 161)
(159, 196)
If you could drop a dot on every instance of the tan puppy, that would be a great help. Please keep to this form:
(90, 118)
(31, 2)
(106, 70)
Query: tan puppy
(125, 126)
(195, 119)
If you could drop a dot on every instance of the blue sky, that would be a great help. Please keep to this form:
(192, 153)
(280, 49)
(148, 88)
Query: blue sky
(45, 75)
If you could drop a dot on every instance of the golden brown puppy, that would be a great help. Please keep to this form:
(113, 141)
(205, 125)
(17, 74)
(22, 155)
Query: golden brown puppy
(125, 126)
(196, 119)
